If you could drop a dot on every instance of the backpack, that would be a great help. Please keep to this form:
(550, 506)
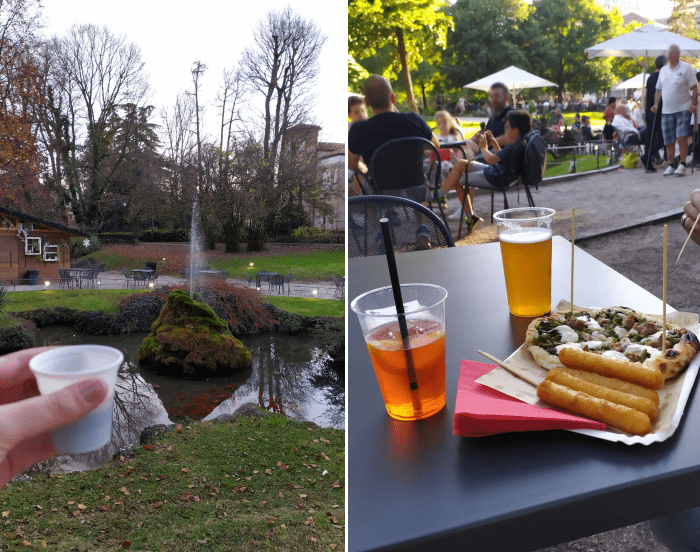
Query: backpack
(535, 159)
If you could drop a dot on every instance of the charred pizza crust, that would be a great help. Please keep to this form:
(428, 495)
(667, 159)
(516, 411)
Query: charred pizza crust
(616, 331)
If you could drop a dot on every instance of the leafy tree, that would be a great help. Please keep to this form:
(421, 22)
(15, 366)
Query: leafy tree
(569, 27)
(490, 35)
(682, 20)
(415, 29)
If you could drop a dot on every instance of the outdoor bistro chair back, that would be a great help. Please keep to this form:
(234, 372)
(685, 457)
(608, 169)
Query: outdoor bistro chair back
(127, 277)
(276, 281)
(249, 278)
(288, 281)
(339, 286)
(66, 280)
(397, 168)
(413, 226)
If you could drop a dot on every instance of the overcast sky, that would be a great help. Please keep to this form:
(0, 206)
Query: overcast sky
(173, 34)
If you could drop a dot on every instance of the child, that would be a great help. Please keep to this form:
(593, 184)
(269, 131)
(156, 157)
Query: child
(502, 166)
(357, 111)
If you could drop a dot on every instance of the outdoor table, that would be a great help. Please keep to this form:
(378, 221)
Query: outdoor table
(416, 486)
(81, 274)
(141, 274)
(263, 276)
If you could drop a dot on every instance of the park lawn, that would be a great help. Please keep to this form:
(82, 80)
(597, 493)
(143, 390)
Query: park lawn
(108, 300)
(308, 307)
(251, 483)
(113, 261)
(304, 266)
(558, 167)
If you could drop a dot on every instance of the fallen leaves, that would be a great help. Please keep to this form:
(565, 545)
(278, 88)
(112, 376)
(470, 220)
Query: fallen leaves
(124, 490)
(309, 521)
(332, 517)
(282, 466)
(6, 513)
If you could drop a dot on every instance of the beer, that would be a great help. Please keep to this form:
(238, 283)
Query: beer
(527, 264)
(427, 354)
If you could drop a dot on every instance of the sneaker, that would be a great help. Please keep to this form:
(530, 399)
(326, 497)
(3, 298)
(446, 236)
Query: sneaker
(668, 171)
(455, 215)
(680, 171)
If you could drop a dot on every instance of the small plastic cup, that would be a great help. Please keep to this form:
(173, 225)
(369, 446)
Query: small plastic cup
(411, 379)
(63, 366)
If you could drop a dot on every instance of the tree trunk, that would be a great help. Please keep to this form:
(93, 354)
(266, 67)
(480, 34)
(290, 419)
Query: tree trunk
(404, 68)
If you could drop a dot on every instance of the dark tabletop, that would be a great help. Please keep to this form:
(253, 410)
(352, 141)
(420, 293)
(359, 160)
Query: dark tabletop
(416, 486)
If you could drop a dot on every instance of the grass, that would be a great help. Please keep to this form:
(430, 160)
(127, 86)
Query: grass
(558, 167)
(308, 307)
(107, 300)
(304, 266)
(252, 483)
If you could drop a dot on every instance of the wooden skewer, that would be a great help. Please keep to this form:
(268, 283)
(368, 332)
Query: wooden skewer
(663, 326)
(523, 376)
(687, 239)
(573, 228)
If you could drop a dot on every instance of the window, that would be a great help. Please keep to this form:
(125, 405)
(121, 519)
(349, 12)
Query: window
(50, 252)
(32, 246)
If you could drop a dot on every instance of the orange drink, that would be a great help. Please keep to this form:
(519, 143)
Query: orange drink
(410, 369)
(526, 250)
(427, 355)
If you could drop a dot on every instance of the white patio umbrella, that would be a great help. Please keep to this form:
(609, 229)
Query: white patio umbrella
(515, 79)
(635, 82)
(646, 41)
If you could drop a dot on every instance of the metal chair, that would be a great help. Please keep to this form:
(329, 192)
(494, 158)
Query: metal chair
(339, 286)
(398, 168)
(288, 280)
(128, 280)
(66, 280)
(414, 227)
(154, 277)
(249, 278)
(276, 281)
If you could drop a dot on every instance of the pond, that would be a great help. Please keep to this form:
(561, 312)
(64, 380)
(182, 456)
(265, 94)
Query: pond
(290, 375)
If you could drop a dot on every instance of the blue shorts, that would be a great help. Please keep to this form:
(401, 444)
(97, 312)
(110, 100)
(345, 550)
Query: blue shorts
(674, 125)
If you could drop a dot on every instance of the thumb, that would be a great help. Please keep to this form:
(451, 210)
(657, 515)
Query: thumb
(31, 417)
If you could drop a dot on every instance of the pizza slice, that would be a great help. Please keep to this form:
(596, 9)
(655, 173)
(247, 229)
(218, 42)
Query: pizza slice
(616, 332)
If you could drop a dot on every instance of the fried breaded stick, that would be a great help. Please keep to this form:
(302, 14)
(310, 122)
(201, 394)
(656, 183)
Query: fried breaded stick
(616, 415)
(614, 383)
(633, 372)
(600, 392)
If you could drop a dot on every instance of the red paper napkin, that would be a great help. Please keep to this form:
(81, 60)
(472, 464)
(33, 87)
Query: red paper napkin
(481, 411)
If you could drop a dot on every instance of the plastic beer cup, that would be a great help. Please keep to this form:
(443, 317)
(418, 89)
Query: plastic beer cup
(526, 249)
(411, 374)
(63, 366)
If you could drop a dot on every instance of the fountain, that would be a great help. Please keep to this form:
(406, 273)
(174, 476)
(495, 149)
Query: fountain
(195, 258)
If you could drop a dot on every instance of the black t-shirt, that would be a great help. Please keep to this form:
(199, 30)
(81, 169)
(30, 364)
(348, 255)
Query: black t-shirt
(497, 123)
(510, 166)
(651, 91)
(366, 136)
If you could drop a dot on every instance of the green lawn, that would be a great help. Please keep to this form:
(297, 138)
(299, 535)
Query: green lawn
(304, 266)
(249, 484)
(107, 300)
(561, 166)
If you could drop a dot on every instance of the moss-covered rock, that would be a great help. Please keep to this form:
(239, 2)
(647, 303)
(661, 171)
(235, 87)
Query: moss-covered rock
(188, 337)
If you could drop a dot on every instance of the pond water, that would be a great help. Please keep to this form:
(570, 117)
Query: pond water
(290, 375)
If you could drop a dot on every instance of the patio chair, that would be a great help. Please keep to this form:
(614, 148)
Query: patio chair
(249, 278)
(66, 280)
(339, 286)
(414, 227)
(288, 281)
(276, 281)
(128, 280)
(398, 168)
(220, 275)
(154, 277)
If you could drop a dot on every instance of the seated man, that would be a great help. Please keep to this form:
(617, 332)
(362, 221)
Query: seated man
(587, 131)
(625, 128)
(501, 167)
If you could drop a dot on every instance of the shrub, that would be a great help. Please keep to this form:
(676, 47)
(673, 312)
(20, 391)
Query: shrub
(177, 235)
(77, 249)
(3, 299)
(308, 234)
(117, 237)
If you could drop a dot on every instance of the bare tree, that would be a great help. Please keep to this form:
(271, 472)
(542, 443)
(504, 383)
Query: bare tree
(104, 72)
(283, 66)
(198, 69)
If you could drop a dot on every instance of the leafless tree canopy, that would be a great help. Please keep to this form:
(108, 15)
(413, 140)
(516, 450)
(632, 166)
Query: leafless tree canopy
(283, 66)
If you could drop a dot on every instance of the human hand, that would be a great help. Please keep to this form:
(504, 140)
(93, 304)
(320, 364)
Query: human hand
(26, 418)
(653, 109)
(483, 141)
(691, 210)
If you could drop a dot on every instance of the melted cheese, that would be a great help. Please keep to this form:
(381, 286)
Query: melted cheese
(594, 344)
(568, 346)
(620, 331)
(636, 348)
(591, 323)
(568, 335)
(652, 337)
(615, 354)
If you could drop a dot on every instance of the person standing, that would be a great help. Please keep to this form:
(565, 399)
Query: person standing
(654, 136)
(609, 115)
(678, 88)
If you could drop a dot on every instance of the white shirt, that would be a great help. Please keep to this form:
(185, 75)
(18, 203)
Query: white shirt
(675, 85)
(622, 124)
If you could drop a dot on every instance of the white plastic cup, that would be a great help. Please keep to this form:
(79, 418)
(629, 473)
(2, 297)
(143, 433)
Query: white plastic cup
(63, 366)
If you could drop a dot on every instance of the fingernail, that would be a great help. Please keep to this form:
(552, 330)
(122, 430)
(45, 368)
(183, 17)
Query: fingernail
(91, 391)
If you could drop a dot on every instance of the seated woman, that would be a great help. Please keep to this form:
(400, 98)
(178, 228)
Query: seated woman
(449, 132)
(623, 124)
(502, 166)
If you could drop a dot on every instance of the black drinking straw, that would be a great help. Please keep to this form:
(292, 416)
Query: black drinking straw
(403, 327)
